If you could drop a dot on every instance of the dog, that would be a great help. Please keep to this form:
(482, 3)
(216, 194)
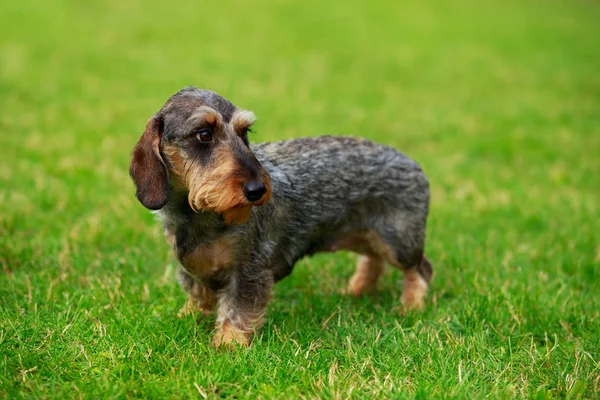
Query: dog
(238, 215)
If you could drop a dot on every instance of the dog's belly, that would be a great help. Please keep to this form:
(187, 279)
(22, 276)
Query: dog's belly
(367, 242)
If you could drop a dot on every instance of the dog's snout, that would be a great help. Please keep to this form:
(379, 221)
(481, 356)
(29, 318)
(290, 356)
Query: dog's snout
(254, 190)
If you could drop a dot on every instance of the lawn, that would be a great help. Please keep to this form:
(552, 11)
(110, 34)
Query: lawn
(499, 103)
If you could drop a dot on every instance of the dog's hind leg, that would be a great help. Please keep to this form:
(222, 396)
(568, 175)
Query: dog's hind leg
(402, 246)
(415, 288)
(417, 273)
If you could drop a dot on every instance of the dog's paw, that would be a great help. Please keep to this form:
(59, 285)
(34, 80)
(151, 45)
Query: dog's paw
(192, 308)
(410, 303)
(415, 291)
(229, 336)
(358, 287)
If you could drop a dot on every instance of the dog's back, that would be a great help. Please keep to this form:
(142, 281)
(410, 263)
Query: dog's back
(346, 193)
(344, 169)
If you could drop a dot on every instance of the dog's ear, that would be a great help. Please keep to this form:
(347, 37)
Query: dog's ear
(148, 169)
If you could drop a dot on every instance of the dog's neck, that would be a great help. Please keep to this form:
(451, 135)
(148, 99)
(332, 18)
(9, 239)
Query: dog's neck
(177, 214)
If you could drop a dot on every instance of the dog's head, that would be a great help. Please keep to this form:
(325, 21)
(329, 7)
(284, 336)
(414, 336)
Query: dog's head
(198, 144)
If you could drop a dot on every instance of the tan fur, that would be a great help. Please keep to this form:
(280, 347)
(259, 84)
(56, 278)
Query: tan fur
(368, 272)
(237, 215)
(370, 267)
(207, 259)
(365, 242)
(237, 322)
(415, 290)
(208, 115)
(217, 189)
(229, 335)
(212, 117)
(242, 119)
(201, 299)
(179, 165)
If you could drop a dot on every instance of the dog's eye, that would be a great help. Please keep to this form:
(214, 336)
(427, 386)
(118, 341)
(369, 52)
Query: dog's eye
(204, 135)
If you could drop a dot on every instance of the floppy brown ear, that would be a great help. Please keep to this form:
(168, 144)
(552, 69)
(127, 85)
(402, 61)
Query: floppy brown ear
(148, 169)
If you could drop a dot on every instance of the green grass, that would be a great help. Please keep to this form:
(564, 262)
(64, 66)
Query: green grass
(499, 102)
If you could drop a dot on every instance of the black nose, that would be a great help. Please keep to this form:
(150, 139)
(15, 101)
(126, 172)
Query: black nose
(254, 190)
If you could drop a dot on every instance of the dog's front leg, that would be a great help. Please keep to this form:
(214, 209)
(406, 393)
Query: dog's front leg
(242, 305)
(200, 298)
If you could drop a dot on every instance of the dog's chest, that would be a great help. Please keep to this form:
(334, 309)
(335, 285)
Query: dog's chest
(206, 260)
(205, 252)
(203, 246)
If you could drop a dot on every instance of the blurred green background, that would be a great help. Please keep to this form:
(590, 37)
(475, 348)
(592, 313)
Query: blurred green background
(499, 102)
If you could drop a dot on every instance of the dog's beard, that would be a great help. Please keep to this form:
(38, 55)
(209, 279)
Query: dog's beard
(220, 193)
(218, 189)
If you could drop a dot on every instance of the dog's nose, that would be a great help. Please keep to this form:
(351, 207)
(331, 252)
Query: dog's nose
(254, 190)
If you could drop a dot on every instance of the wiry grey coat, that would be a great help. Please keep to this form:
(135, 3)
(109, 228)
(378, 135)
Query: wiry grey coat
(327, 193)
